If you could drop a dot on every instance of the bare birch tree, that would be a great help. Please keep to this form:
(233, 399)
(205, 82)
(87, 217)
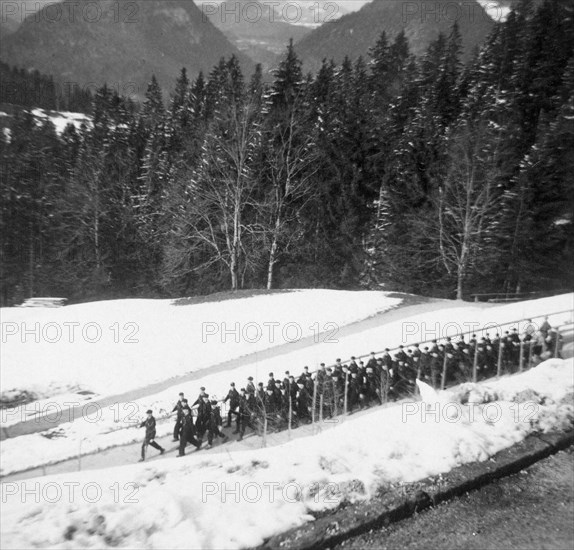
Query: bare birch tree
(466, 203)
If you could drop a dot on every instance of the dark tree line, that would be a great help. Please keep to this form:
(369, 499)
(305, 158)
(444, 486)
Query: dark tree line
(414, 174)
(33, 89)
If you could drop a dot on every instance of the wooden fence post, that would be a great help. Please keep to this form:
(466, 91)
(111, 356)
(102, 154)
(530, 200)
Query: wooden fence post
(320, 412)
(290, 410)
(556, 345)
(314, 411)
(475, 363)
(443, 380)
(499, 363)
(346, 392)
(521, 356)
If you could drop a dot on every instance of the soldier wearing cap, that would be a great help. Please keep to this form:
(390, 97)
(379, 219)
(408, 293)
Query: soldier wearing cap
(247, 412)
(203, 417)
(250, 387)
(178, 409)
(271, 381)
(199, 398)
(215, 423)
(372, 362)
(233, 398)
(149, 439)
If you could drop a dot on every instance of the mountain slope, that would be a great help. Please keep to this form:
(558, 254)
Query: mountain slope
(255, 28)
(121, 42)
(355, 33)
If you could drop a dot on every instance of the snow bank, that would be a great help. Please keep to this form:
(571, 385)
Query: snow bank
(236, 500)
(61, 119)
(113, 346)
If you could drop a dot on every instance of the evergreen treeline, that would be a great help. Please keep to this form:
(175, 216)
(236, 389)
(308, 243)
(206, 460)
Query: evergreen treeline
(33, 89)
(421, 175)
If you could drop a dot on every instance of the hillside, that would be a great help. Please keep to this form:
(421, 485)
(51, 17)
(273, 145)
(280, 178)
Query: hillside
(355, 33)
(122, 43)
(255, 28)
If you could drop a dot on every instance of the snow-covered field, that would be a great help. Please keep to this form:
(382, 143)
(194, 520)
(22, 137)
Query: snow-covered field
(108, 427)
(236, 500)
(113, 346)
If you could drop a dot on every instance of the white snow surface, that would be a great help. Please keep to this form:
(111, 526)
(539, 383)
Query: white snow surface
(61, 119)
(236, 500)
(114, 346)
(108, 427)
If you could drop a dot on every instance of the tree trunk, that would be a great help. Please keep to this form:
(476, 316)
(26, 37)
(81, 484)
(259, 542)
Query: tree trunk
(273, 254)
(233, 271)
(97, 238)
(31, 263)
(459, 285)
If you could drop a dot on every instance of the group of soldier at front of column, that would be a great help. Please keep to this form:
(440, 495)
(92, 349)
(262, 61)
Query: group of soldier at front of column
(279, 404)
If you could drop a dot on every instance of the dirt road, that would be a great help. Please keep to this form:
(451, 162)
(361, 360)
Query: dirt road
(531, 510)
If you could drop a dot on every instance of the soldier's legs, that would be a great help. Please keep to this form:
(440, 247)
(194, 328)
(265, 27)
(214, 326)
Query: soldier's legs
(434, 378)
(241, 421)
(182, 443)
(176, 430)
(193, 441)
(156, 446)
(200, 432)
(144, 447)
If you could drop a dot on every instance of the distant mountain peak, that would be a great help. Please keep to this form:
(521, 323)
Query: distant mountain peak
(121, 42)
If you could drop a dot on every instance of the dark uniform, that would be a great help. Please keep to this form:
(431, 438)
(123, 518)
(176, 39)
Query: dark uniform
(271, 408)
(247, 412)
(187, 434)
(356, 392)
(424, 365)
(179, 416)
(436, 366)
(304, 402)
(214, 424)
(416, 355)
(202, 423)
(233, 398)
(149, 425)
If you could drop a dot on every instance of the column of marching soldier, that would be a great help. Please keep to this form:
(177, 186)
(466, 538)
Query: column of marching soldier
(346, 388)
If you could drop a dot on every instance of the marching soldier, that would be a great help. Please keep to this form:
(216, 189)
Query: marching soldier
(233, 398)
(199, 398)
(203, 417)
(149, 439)
(178, 409)
(355, 392)
(215, 424)
(250, 388)
(187, 432)
(417, 360)
(304, 402)
(260, 395)
(436, 365)
(425, 363)
(247, 408)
